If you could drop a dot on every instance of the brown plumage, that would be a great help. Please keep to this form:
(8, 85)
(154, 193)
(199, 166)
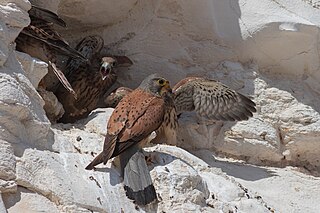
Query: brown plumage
(90, 80)
(136, 116)
(209, 98)
(212, 100)
(42, 41)
(115, 96)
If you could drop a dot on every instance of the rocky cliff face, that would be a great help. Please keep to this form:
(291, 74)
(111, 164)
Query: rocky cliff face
(266, 49)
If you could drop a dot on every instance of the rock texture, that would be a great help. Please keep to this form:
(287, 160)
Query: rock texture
(268, 50)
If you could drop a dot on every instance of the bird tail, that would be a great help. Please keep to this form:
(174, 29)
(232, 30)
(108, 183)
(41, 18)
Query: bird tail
(97, 160)
(106, 154)
(137, 180)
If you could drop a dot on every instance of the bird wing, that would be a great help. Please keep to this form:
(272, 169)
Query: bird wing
(212, 99)
(136, 116)
(88, 47)
(42, 31)
(46, 15)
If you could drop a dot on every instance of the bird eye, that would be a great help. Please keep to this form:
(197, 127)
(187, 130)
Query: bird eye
(161, 81)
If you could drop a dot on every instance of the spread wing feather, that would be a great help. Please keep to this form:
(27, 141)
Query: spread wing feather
(212, 99)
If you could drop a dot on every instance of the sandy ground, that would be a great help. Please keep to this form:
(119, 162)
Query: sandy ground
(284, 189)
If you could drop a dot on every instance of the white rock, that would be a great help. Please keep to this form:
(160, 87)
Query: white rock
(28, 202)
(34, 68)
(263, 49)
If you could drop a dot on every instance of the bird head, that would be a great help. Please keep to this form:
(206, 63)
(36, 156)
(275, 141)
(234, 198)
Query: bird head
(107, 65)
(116, 95)
(156, 85)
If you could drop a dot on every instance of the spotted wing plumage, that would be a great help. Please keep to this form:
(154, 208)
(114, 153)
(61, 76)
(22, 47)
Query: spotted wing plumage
(212, 100)
(116, 95)
(136, 116)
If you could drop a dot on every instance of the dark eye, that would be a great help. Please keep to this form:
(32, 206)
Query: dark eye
(114, 64)
(161, 81)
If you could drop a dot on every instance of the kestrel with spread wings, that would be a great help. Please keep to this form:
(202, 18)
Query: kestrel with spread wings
(208, 98)
(40, 40)
(89, 79)
(154, 107)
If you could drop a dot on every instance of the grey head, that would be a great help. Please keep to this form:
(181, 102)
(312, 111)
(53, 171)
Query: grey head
(155, 84)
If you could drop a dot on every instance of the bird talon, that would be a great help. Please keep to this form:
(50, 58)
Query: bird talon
(150, 159)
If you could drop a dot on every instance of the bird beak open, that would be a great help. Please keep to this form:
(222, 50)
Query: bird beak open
(105, 70)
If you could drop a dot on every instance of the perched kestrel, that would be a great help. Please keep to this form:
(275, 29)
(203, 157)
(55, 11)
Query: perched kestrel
(209, 98)
(90, 80)
(136, 116)
(41, 41)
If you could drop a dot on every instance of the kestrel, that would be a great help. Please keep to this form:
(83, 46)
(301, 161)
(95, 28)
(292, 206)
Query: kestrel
(136, 116)
(209, 98)
(115, 96)
(90, 80)
(41, 41)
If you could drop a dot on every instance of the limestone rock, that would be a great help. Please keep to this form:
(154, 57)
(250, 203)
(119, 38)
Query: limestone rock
(34, 68)
(266, 49)
(54, 109)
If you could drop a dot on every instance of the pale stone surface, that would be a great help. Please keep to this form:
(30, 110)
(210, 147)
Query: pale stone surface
(268, 51)
(28, 202)
(34, 68)
(53, 108)
(182, 181)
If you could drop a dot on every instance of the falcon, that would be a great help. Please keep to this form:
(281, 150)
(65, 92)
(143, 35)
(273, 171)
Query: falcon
(90, 79)
(40, 40)
(133, 120)
(208, 98)
(115, 96)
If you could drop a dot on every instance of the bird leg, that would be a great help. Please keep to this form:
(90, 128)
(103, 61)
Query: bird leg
(150, 159)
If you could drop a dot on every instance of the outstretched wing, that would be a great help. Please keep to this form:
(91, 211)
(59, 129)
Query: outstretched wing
(212, 100)
(46, 15)
(88, 47)
(41, 29)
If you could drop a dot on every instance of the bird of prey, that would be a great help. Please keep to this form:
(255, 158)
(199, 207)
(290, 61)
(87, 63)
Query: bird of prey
(208, 98)
(116, 95)
(136, 116)
(90, 80)
(40, 40)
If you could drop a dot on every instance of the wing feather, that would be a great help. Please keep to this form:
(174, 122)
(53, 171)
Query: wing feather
(212, 100)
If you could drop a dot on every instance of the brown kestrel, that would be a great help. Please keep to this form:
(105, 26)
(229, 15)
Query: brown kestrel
(136, 116)
(90, 80)
(42, 41)
(209, 98)
(115, 96)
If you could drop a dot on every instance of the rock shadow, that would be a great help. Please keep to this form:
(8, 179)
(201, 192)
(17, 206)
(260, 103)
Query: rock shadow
(239, 170)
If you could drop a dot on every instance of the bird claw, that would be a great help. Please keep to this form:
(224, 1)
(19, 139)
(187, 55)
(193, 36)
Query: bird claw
(150, 159)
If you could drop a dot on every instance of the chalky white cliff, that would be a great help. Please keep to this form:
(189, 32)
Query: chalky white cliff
(266, 49)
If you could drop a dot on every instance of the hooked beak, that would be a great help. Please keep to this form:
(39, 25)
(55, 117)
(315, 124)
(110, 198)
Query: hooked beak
(105, 70)
(166, 88)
